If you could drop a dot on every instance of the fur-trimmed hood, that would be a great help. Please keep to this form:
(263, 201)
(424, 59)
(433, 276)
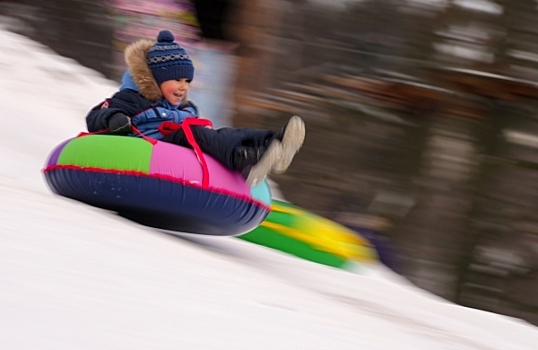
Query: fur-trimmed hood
(135, 57)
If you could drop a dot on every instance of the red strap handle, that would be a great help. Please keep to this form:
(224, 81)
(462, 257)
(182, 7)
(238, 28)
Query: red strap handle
(105, 131)
(169, 127)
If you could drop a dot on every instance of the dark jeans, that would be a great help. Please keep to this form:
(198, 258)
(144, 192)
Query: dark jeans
(221, 143)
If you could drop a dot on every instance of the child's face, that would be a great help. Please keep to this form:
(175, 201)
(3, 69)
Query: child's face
(175, 91)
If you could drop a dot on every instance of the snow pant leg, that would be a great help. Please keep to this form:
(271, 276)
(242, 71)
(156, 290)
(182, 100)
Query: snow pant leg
(221, 143)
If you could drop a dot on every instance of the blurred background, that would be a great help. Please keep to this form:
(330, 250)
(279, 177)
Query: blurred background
(421, 116)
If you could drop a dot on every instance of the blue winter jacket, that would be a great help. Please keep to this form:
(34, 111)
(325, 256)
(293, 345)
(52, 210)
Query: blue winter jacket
(145, 115)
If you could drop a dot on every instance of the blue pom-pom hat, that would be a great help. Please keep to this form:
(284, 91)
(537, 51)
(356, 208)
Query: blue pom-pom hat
(168, 60)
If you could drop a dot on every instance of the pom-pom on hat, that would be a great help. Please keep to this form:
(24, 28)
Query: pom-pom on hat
(167, 60)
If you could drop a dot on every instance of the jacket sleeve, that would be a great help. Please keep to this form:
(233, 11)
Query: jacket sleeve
(128, 102)
(193, 112)
(190, 107)
(184, 111)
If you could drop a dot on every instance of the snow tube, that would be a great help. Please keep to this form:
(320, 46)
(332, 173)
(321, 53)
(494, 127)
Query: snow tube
(298, 232)
(156, 184)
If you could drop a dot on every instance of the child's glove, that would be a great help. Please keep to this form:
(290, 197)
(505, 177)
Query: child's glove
(119, 124)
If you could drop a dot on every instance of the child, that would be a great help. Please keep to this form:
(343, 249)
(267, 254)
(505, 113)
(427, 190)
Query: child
(154, 93)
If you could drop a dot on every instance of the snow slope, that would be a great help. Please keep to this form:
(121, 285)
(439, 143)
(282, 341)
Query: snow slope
(76, 277)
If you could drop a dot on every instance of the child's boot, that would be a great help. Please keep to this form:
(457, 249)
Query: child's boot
(261, 169)
(255, 163)
(292, 138)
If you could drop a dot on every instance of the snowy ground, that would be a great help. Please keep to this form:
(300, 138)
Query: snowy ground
(75, 277)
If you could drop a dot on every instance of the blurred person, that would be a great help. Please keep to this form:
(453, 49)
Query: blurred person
(212, 15)
(217, 55)
(152, 102)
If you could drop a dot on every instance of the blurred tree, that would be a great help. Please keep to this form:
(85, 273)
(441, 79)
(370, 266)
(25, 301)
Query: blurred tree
(412, 102)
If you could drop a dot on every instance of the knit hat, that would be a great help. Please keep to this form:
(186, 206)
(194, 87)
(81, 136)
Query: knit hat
(168, 60)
